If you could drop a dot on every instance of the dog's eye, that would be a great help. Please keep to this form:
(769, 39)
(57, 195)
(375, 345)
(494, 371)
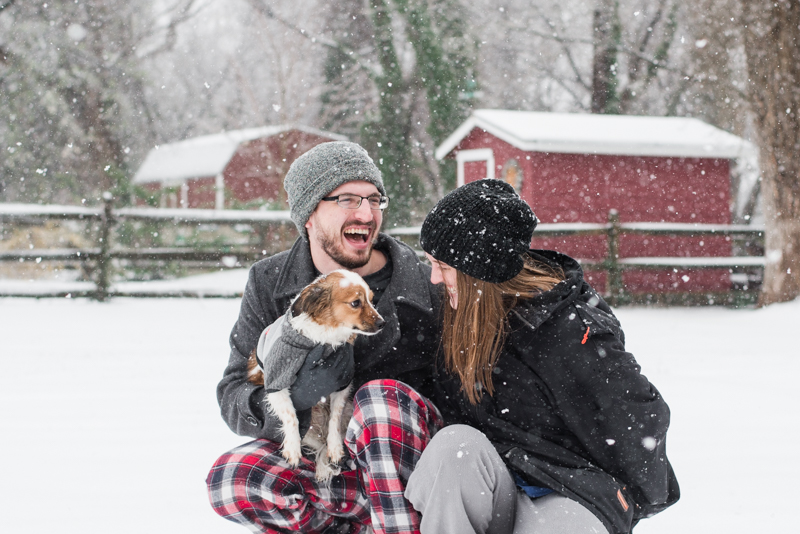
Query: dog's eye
(356, 304)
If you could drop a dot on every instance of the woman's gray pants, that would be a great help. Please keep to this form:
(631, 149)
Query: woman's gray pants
(461, 485)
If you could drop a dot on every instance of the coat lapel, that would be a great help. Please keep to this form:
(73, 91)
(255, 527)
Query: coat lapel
(297, 272)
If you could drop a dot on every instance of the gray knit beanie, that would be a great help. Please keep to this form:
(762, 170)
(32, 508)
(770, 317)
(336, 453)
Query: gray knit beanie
(482, 229)
(321, 170)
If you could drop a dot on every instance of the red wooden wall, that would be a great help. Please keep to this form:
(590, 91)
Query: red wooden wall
(257, 168)
(255, 172)
(584, 187)
(202, 192)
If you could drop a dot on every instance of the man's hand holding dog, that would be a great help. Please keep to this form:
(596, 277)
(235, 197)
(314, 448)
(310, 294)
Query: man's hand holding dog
(319, 377)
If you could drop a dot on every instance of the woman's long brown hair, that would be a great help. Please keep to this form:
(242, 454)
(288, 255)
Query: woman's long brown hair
(474, 333)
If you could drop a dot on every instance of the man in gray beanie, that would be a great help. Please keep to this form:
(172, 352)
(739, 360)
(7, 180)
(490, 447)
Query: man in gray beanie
(321, 170)
(321, 182)
(336, 196)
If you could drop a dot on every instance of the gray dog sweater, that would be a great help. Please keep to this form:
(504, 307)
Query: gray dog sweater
(281, 352)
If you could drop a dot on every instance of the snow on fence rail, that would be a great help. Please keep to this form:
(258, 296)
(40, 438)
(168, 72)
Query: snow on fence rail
(271, 226)
(228, 255)
(613, 265)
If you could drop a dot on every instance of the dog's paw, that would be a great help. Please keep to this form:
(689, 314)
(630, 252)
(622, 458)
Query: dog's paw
(292, 452)
(335, 453)
(325, 471)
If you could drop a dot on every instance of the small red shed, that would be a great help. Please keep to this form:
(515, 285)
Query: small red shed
(228, 168)
(574, 168)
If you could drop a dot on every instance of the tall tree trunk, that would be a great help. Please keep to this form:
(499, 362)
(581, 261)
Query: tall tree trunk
(441, 73)
(387, 135)
(772, 43)
(606, 37)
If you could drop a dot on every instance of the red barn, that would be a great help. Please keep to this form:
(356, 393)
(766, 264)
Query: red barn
(229, 169)
(574, 168)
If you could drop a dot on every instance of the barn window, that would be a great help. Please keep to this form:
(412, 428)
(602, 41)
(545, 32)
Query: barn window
(512, 174)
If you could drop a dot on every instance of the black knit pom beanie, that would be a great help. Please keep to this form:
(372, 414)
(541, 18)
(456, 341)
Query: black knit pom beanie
(481, 229)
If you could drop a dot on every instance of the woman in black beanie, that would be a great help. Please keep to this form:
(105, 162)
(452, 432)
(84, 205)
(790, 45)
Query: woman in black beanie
(553, 427)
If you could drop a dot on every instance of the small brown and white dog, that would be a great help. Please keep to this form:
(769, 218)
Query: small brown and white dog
(332, 310)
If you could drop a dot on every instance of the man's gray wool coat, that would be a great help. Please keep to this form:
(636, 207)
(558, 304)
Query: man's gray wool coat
(404, 350)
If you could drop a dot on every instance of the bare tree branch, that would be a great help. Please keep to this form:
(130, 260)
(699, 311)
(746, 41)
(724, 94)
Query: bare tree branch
(634, 66)
(635, 81)
(578, 40)
(650, 27)
(184, 14)
(558, 79)
(7, 3)
(566, 49)
(261, 7)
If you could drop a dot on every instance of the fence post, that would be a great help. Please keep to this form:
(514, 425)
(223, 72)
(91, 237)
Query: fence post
(266, 234)
(614, 280)
(275, 237)
(104, 260)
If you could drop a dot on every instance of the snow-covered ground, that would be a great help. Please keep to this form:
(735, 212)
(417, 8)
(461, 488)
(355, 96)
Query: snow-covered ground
(109, 420)
(226, 283)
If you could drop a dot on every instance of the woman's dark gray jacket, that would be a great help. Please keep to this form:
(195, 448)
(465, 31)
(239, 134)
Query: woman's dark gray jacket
(405, 348)
(571, 410)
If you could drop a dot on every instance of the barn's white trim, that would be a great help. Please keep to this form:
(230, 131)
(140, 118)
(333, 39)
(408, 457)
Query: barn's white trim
(478, 154)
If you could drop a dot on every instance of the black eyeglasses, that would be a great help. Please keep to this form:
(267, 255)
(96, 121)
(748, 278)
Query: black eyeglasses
(349, 201)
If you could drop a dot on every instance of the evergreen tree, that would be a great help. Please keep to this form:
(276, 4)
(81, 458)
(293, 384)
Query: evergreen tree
(415, 104)
(431, 92)
(443, 52)
(386, 133)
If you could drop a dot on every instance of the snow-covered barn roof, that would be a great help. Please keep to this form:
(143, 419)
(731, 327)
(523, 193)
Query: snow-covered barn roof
(207, 155)
(626, 135)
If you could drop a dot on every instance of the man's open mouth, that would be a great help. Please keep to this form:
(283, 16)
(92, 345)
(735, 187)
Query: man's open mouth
(357, 235)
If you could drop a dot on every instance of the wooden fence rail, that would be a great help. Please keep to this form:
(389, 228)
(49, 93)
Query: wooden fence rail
(269, 224)
(614, 266)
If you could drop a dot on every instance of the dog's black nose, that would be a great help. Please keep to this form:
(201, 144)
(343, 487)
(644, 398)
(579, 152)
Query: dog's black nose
(380, 323)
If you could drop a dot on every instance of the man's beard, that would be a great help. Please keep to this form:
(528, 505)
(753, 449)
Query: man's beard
(337, 254)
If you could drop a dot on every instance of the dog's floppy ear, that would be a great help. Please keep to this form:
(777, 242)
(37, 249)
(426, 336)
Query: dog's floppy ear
(311, 300)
